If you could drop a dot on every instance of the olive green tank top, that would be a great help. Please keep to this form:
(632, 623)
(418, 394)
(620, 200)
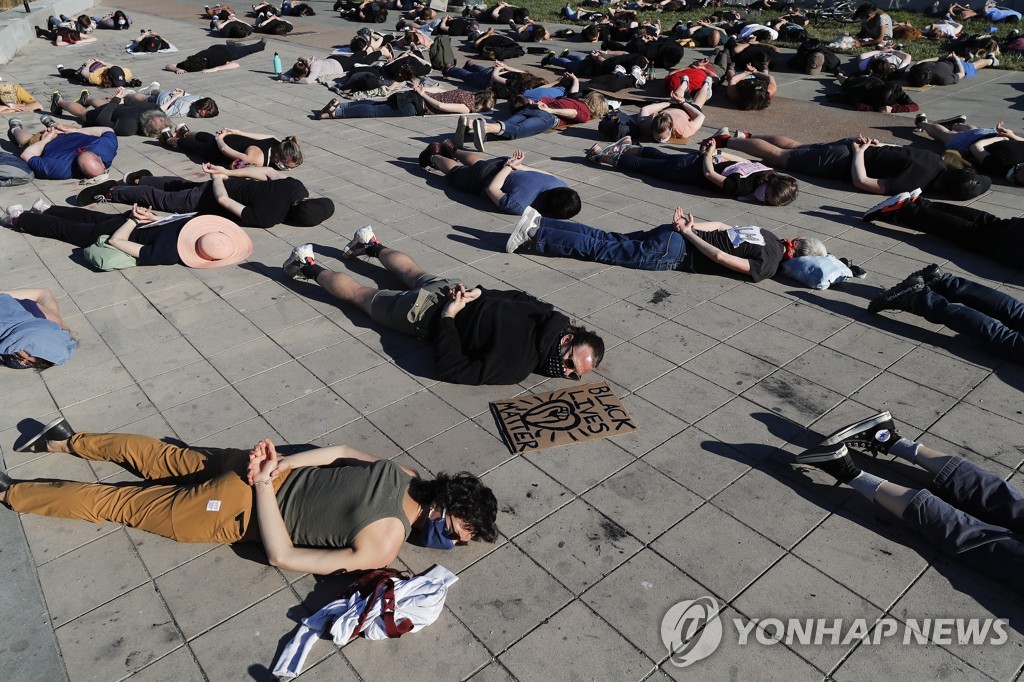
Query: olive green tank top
(328, 506)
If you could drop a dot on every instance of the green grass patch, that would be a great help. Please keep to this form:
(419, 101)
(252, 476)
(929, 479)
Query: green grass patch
(551, 11)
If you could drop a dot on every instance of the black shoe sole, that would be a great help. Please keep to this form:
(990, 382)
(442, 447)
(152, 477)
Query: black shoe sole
(31, 444)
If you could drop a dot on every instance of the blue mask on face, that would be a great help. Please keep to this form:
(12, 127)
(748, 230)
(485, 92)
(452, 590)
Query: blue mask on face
(435, 533)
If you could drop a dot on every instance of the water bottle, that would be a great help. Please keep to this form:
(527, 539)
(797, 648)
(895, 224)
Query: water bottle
(277, 65)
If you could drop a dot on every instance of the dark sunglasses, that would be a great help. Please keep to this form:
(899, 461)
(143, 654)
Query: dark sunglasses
(570, 365)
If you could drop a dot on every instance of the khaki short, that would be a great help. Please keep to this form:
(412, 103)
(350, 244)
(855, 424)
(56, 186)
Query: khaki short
(412, 312)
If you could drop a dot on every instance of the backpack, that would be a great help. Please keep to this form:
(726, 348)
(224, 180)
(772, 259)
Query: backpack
(13, 171)
(151, 44)
(807, 49)
(376, 13)
(503, 52)
(442, 55)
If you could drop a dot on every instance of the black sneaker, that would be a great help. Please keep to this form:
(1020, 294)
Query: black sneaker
(5, 481)
(96, 193)
(58, 429)
(833, 459)
(874, 434)
(952, 120)
(898, 297)
(133, 177)
(920, 119)
(930, 274)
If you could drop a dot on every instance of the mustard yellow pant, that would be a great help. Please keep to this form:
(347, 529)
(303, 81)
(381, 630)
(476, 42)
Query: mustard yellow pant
(191, 495)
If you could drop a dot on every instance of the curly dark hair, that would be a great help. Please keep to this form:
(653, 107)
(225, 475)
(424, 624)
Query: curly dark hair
(465, 497)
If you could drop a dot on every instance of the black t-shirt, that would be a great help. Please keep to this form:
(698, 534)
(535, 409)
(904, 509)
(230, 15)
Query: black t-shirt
(241, 144)
(216, 55)
(942, 72)
(160, 242)
(738, 186)
(123, 118)
(902, 169)
(764, 260)
(266, 202)
(1002, 156)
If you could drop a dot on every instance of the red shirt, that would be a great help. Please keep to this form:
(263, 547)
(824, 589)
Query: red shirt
(581, 109)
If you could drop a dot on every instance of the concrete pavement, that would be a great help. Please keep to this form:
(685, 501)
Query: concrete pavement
(728, 380)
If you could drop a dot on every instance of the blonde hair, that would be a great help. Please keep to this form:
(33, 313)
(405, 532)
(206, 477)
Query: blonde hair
(597, 104)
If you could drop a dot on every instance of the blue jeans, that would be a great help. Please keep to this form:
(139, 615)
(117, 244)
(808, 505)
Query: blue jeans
(685, 169)
(527, 122)
(995, 319)
(474, 75)
(974, 516)
(373, 109)
(574, 63)
(661, 248)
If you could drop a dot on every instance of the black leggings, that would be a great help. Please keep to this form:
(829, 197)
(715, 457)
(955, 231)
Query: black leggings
(999, 238)
(78, 226)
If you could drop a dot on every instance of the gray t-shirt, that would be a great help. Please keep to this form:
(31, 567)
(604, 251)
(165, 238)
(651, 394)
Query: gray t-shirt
(328, 506)
(180, 107)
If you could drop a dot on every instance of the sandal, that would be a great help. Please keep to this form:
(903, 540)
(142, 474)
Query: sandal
(329, 109)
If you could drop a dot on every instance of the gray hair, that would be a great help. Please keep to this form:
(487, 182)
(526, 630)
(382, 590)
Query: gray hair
(152, 121)
(809, 246)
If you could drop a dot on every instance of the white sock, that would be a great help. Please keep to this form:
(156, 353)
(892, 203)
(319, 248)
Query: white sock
(866, 484)
(905, 449)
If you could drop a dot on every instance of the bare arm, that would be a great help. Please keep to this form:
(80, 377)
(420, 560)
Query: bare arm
(335, 455)
(36, 149)
(652, 109)
(120, 239)
(225, 67)
(43, 298)
(493, 190)
(685, 224)
(861, 180)
(251, 172)
(708, 150)
(234, 207)
(375, 546)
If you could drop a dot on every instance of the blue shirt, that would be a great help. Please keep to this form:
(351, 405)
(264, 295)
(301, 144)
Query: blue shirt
(537, 93)
(57, 162)
(522, 188)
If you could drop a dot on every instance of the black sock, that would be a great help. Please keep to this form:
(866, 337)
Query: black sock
(373, 250)
(312, 270)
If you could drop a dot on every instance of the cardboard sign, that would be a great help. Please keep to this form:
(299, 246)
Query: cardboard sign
(568, 415)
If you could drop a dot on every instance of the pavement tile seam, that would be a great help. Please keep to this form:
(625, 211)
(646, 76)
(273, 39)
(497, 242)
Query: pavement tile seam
(554, 267)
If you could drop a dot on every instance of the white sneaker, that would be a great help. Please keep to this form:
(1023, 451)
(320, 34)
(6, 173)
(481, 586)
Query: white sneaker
(479, 134)
(150, 89)
(300, 255)
(40, 206)
(11, 212)
(360, 240)
(528, 223)
(613, 104)
(638, 74)
(619, 70)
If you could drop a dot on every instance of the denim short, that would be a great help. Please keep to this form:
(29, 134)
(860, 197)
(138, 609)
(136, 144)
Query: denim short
(829, 160)
(962, 141)
(415, 311)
